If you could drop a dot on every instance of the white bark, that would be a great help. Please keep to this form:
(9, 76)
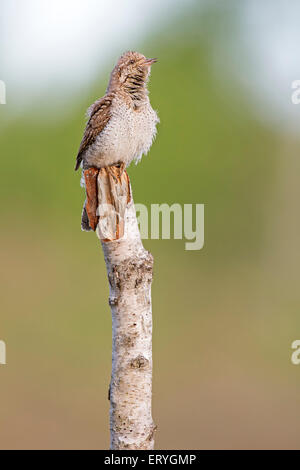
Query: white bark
(129, 268)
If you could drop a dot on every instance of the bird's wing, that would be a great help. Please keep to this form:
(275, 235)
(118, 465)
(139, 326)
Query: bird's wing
(100, 114)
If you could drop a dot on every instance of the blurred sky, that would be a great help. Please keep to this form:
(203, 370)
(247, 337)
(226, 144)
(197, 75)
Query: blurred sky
(62, 45)
(56, 43)
(270, 36)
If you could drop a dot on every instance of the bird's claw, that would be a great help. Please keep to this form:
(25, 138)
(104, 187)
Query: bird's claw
(122, 168)
(110, 171)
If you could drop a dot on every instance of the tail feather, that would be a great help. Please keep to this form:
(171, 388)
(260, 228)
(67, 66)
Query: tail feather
(78, 162)
(85, 224)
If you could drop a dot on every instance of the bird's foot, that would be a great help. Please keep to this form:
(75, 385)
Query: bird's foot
(110, 171)
(122, 168)
(116, 171)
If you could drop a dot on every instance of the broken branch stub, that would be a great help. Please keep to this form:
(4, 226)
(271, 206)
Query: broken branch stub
(107, 195)
(113, 196)
(129, 269)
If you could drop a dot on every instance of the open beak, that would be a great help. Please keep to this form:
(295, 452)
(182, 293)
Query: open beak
(150, 61)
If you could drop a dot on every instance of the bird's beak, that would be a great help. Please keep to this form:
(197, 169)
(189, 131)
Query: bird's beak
(150, 61)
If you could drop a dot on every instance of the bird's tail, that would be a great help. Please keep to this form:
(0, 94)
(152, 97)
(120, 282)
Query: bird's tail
(89, 217)
(85, 223)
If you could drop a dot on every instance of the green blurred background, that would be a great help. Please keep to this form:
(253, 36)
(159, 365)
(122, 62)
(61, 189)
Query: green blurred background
(225, 316)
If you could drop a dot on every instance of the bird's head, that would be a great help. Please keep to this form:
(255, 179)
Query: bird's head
(132, 70)
(133, 64)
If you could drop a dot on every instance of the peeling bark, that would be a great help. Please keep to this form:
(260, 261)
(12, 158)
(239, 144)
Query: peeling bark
(129, 268)
(91, 203)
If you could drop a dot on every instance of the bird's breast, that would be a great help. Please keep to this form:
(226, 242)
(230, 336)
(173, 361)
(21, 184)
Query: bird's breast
(127, 136)
(129, 133)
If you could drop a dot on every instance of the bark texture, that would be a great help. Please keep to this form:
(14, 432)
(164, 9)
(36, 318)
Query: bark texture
(129, 268)
(91, 203)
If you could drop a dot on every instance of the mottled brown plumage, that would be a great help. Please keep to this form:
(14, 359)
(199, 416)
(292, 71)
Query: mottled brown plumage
(97, 122)
(122, 124)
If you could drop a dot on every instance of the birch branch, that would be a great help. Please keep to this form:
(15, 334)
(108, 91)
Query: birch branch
(129, 269)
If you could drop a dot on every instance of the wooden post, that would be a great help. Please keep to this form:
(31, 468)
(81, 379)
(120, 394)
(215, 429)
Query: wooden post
(129, 269)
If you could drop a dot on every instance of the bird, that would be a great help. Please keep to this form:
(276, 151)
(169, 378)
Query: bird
(122, 124)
